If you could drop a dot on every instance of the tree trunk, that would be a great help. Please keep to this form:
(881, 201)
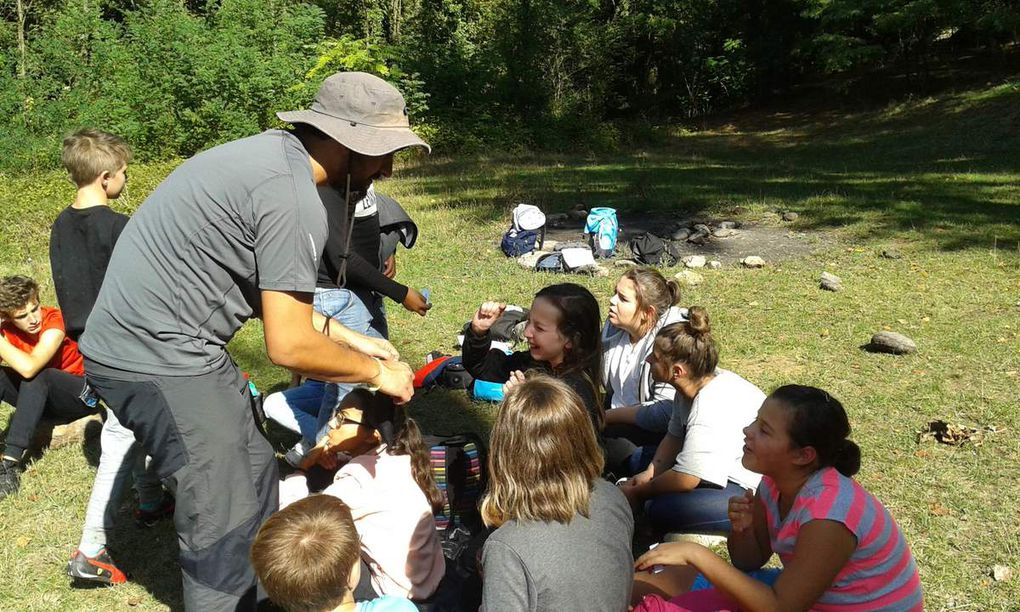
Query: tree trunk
(22, 52)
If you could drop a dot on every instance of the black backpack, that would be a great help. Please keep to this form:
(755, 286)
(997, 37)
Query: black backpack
(651, 250)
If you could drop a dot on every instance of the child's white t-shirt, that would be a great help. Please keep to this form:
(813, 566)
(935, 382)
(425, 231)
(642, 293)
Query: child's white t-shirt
(712, 430)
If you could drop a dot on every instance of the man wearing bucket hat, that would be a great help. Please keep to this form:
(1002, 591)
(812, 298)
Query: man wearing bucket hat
(235, 232)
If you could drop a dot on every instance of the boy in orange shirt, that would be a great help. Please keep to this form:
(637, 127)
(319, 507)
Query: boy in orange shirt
(43, 373)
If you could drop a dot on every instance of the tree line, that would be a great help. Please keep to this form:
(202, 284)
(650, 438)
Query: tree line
(177, 76)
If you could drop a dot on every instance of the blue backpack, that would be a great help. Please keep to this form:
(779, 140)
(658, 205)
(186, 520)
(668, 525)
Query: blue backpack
(602, 228)
(518, 242)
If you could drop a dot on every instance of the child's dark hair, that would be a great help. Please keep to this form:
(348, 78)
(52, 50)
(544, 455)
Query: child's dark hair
(17, 292)
(407, 440)
(581, 323)
(690, 342)
(818, 420)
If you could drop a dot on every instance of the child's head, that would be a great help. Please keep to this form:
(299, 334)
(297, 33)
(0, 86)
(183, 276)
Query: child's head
(19, 302)
(543, 456)
(308, 554)
(564, 328)
(688, 345)
(642, 296)
(800, 428)
(93, 155)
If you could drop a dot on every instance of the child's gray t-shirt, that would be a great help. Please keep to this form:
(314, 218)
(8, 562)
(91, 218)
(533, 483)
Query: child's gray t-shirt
(186, 273)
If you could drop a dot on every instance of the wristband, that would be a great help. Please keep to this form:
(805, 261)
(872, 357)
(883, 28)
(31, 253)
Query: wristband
(378, 375)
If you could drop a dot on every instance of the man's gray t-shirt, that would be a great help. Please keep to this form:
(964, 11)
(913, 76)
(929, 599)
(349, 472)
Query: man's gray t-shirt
(187, 270)
(586, 565)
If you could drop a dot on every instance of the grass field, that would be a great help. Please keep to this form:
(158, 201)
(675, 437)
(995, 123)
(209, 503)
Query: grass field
(937, 179)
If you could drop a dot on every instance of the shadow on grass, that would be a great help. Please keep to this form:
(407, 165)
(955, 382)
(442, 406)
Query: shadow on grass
(949, 166)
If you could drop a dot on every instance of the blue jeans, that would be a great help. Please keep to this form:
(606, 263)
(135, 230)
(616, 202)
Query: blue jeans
(344, 306)
(704, 509)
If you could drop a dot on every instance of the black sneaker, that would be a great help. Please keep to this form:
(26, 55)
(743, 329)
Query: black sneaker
(10, 477)
(148, 518)
(99, 569)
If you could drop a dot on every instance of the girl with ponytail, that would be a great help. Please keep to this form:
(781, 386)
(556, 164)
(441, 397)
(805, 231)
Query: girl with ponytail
(392, 494)
(696, 467)
(840, 547)
(639, 407)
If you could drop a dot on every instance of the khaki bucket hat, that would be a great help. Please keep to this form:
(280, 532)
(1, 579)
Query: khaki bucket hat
(362, 112)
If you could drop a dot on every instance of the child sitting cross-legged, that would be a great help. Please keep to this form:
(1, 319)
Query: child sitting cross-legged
(840, 547)
(391, 493)
(308, 559)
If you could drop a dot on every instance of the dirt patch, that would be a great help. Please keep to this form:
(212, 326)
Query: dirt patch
(772, 240)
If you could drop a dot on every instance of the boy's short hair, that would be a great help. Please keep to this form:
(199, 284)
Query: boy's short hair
(88, 153)
(304, 554)
(17, 292)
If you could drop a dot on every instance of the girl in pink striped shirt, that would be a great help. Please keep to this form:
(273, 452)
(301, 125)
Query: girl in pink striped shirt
(840, 548)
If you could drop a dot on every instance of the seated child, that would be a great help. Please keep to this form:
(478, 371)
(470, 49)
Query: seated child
(391, 492)
(563, 534)
(639, 406)
(306, 556)
(563, 341)
(696, 467)
(43, 375)
(840, 547)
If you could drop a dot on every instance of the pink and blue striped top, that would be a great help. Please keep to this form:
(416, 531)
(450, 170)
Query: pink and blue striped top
(881, 573)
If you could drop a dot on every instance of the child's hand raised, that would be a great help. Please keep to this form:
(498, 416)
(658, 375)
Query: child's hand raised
(516, 378)
(741, 511)
(486, 315)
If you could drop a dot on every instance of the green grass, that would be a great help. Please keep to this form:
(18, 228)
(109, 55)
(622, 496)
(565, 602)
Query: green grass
(938, 179)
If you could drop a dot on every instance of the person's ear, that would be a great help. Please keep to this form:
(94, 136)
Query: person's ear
(104, 178)
(804, 456)
(678, 370)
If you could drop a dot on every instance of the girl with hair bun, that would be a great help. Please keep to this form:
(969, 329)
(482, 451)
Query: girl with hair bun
(840, 547)
(639, 406)
(696, 467)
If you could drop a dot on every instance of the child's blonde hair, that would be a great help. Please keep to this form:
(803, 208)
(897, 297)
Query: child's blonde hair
(305, 553)
(88, 153)
(543, 458)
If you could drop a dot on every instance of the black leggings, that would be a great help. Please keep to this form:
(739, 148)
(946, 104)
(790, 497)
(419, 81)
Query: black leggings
(53, 393)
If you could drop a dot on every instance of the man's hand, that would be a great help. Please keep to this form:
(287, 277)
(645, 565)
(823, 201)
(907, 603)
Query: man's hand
(416, 302)
(486, 315)
(395, 379)
(390, 267)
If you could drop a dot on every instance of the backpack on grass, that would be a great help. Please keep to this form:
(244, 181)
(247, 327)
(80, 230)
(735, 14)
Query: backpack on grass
(603, 228)
(651, 250)
(526, 233)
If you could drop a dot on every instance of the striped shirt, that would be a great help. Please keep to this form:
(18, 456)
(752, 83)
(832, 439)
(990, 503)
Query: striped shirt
(881, 572)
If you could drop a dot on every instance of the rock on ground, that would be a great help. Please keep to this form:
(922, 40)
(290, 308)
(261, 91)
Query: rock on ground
(752, 261)
(714, 265)
(689, 278)
(831, 282)
(790, 216)
(893, 343)
(694, 261)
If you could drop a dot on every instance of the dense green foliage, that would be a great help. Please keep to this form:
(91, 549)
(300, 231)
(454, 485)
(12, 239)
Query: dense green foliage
(177, 76)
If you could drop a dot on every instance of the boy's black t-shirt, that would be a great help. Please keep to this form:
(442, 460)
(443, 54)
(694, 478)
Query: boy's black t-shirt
(81, 242)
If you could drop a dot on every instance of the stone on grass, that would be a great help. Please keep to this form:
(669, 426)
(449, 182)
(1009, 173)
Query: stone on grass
(714, 265)
(624, 263)
(790, 216)
(727, 225)
(689, 278)
(831, 282)
(694, 261)
(698, 238)
(1002, 573)
(752, 261)
(893, 343)
(891, 254)
(724, 232)
(701, 227)
(528, 260)
(680, 233)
